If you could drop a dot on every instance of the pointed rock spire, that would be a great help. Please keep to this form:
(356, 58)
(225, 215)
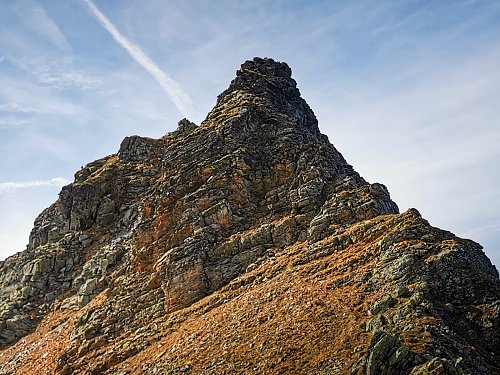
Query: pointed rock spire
(266, 86)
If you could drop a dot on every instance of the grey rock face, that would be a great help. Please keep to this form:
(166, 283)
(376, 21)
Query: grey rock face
(166, 222)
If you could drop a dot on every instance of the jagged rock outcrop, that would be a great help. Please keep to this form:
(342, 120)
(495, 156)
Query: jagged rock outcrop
(244, 245)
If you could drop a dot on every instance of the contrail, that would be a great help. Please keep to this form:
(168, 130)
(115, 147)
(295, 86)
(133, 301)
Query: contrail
(171, 87)
(10, 186)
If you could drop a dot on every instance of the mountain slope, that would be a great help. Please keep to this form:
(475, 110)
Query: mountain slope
(244, 245)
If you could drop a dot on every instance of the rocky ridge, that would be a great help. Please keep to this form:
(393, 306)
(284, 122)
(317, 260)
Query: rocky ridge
(244, 245)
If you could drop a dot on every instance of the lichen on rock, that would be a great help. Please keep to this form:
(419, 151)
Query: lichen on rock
(244, 245)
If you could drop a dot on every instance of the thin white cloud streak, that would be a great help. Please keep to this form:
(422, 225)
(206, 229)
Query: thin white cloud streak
(16, 108)
(171, 87)
(12, 186)
(9, 122)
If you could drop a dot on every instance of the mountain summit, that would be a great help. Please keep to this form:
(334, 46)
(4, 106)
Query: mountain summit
(244, 245)
(264, 85)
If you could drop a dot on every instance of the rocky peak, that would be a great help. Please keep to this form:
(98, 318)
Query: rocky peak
(263, 87)
(254, 228)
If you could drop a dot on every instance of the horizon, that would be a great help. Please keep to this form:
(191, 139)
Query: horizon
(408, 94)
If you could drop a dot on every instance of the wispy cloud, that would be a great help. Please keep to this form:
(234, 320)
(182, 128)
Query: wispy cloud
(171, 87)
(39, 47)
(36, 19)
(53, 74)
(11, 186)
(490, 227)
(48, 66)
(8, 122)
(16, 108)
(20, 97)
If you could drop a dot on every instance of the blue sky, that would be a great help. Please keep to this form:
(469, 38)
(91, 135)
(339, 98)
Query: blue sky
(408, 91)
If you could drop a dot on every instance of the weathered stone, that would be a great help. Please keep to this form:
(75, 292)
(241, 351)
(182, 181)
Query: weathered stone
(88, 287)
(383, 304)
(380, 354)
(184, 126)
(436, 366)
(134, 148)
(252, 228)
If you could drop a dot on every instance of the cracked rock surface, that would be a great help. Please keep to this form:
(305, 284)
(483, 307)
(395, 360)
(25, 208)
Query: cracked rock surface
(246, 244)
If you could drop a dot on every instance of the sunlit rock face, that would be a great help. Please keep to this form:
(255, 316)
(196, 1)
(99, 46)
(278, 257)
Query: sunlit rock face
(244, 245)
